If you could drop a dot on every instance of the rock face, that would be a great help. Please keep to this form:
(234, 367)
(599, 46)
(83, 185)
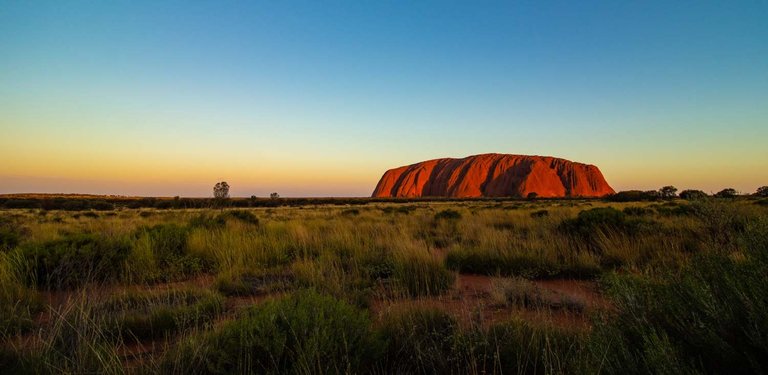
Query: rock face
(494, 175)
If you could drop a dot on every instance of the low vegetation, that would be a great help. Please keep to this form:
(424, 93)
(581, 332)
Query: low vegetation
(674, 286)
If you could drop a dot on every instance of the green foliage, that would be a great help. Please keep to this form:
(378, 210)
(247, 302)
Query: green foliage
(448, 215)
(350, 212)
(303, 333)
(636, 211)
(726, 193)
(423, 340)
(668, 192)
(693, 194)
(529, 264)
(145, 315)
(208, 221)
(421, 274)
(242, 215)
(10, 234)
(539, 214)
(18, 303)
(590, 222)
(73, 260)
(518, 347)
(709, 318)
(170, 251)
(419, 340)
(634, 196)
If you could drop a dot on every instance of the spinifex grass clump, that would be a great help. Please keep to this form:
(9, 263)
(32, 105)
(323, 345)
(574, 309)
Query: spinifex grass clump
(10, 233)
(709, 318)
(529, 263)
(589, 222)
(425, 340)
(418, 273)
(419, 340)
(73, 260)
(241, 215)
(302, 333)
(161, 252)
(146, 315)
(18, 303)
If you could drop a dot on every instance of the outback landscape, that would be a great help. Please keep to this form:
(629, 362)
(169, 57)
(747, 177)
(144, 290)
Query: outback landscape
(383, 187)
(614, 285)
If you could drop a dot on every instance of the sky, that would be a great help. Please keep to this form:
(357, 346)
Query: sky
(165, 98)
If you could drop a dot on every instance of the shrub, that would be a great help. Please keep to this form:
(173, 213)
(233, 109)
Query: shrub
(74, 260)
(539, 214)
(693, 194)
(636, 211)
(208, 221)
(147, 315)
(524, 263)
(762, 191)
(21, 203)
(241, 215)
(589, 222)
(634, 196)
(421, 274)
(448, 215)
(18, 304)
(102, 206)
(170, 249)
(710, 318)
(519, 347)
(75, 205)
(350, 212)
(10, 234)
(668, 192)
(302, 333)
(419, 340)
(726, 193)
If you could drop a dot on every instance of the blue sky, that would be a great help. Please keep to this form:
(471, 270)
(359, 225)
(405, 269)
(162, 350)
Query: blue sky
(320, 98)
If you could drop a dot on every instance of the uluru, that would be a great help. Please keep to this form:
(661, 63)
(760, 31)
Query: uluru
(494, 175)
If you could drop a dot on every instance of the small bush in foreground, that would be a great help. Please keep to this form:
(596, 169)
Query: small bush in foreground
(421, 274)
(710, 318)
(145, 315)
(419, 340)
(74, 260)
(448, 215)
(303, 333)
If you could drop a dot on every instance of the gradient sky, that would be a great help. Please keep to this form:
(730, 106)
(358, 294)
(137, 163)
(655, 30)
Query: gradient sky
(166, 98)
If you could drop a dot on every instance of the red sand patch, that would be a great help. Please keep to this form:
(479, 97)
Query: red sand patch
(472, 302)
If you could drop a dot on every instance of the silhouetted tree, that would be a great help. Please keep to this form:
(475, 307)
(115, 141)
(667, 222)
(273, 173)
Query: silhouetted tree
(691, 194)
(726, 193)
(221, 190)
(532, 195)
(762, 191)
(274, 196)
(668, 192)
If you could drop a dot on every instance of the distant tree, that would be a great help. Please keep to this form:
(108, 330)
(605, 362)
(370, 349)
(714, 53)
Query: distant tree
(726, 193)
(274, 196)
(692, 194)
(668, 192)
(532, 195)
(221, 190)
(762, 191)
